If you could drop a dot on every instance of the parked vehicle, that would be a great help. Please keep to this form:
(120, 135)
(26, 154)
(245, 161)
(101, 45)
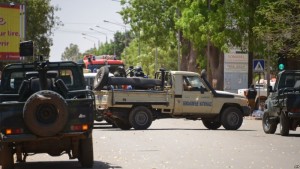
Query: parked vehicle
(93, 63)
(45, 108)
(283, 104)
(172, 94)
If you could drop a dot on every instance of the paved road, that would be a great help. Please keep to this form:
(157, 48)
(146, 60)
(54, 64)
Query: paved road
(182, 144)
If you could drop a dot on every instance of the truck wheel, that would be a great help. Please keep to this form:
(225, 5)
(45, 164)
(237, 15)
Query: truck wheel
(45, 113)
(140, 118)
(86, 154)
(232, 118)
(284, 124)
(123, 124)
(212, 125)
(269, 128)
(6, 156)
(101, 78)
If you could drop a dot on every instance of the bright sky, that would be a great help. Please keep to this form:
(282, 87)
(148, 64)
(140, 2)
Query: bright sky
(78, 16)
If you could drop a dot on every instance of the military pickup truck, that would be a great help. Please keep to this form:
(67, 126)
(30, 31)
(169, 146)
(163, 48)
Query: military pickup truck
(171, 94)
(283, 104)
(45, 108)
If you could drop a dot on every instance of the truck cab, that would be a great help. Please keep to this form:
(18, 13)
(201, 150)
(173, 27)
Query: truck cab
(191, 92)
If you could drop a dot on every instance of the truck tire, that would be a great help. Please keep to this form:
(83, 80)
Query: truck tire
(45, 113)
(86, 154)
(231, 118)
(284, 124)
(123, 124)
(212, 125)
(101, 78)
(140, 118)
(6, 156)
(269, 128)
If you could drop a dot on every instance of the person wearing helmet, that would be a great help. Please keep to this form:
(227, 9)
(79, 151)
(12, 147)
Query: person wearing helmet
(139, 72)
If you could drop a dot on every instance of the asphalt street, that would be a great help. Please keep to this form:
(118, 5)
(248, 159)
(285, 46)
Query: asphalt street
(183, 144)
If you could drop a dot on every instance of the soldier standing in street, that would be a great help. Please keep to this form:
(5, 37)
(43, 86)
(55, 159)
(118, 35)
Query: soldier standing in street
(251, 95)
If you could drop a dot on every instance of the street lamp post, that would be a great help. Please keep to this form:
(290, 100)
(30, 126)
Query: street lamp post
(90, 41)
(118, 24)
(84, 34)
(105, 29)
(100, 33)
(114, 38)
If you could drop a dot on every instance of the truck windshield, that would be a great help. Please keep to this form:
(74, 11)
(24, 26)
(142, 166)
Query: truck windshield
(288, 80)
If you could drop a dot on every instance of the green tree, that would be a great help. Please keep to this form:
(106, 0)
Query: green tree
(146, 58)
(152, 21)
(71, 53)
(210, 28)
(115, 46)
(279, 29)
(106, 49)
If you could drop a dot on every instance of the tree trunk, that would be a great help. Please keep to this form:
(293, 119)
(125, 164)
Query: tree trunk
(216, 65)
(253, 4)
(189, 56)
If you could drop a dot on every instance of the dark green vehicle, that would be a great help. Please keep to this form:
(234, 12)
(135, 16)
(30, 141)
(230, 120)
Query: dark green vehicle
(45, 108)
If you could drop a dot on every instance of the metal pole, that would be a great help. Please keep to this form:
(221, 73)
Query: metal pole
(100, 33)
(125, 41)
(139, 52)
(114, 46)
(208, 50)
(178, 45)
(178, 50)
(268, 70)
(124, 33)
(155, 66)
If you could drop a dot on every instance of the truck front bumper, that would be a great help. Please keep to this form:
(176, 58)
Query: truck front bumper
(246, 110)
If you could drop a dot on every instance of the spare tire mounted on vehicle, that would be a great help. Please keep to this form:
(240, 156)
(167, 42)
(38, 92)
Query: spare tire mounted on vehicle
(101, 78)
(45, 113)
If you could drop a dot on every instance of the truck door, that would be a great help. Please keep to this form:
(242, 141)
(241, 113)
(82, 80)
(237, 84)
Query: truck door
(195, 97)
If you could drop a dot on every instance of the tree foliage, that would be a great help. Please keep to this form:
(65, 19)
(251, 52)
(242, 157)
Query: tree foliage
(71, 53)
(154, 18)
(217, 25)
(116, 46)
(142, 54)
(279, 28)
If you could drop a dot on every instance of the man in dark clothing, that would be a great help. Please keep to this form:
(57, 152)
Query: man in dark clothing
(251, 95)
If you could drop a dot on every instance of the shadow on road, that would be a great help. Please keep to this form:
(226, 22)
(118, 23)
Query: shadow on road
(169, 129)
(198, 129)
(63, 165)
(290, 135)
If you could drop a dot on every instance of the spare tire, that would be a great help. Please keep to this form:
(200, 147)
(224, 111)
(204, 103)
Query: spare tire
(45, 113)
(101, 78)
